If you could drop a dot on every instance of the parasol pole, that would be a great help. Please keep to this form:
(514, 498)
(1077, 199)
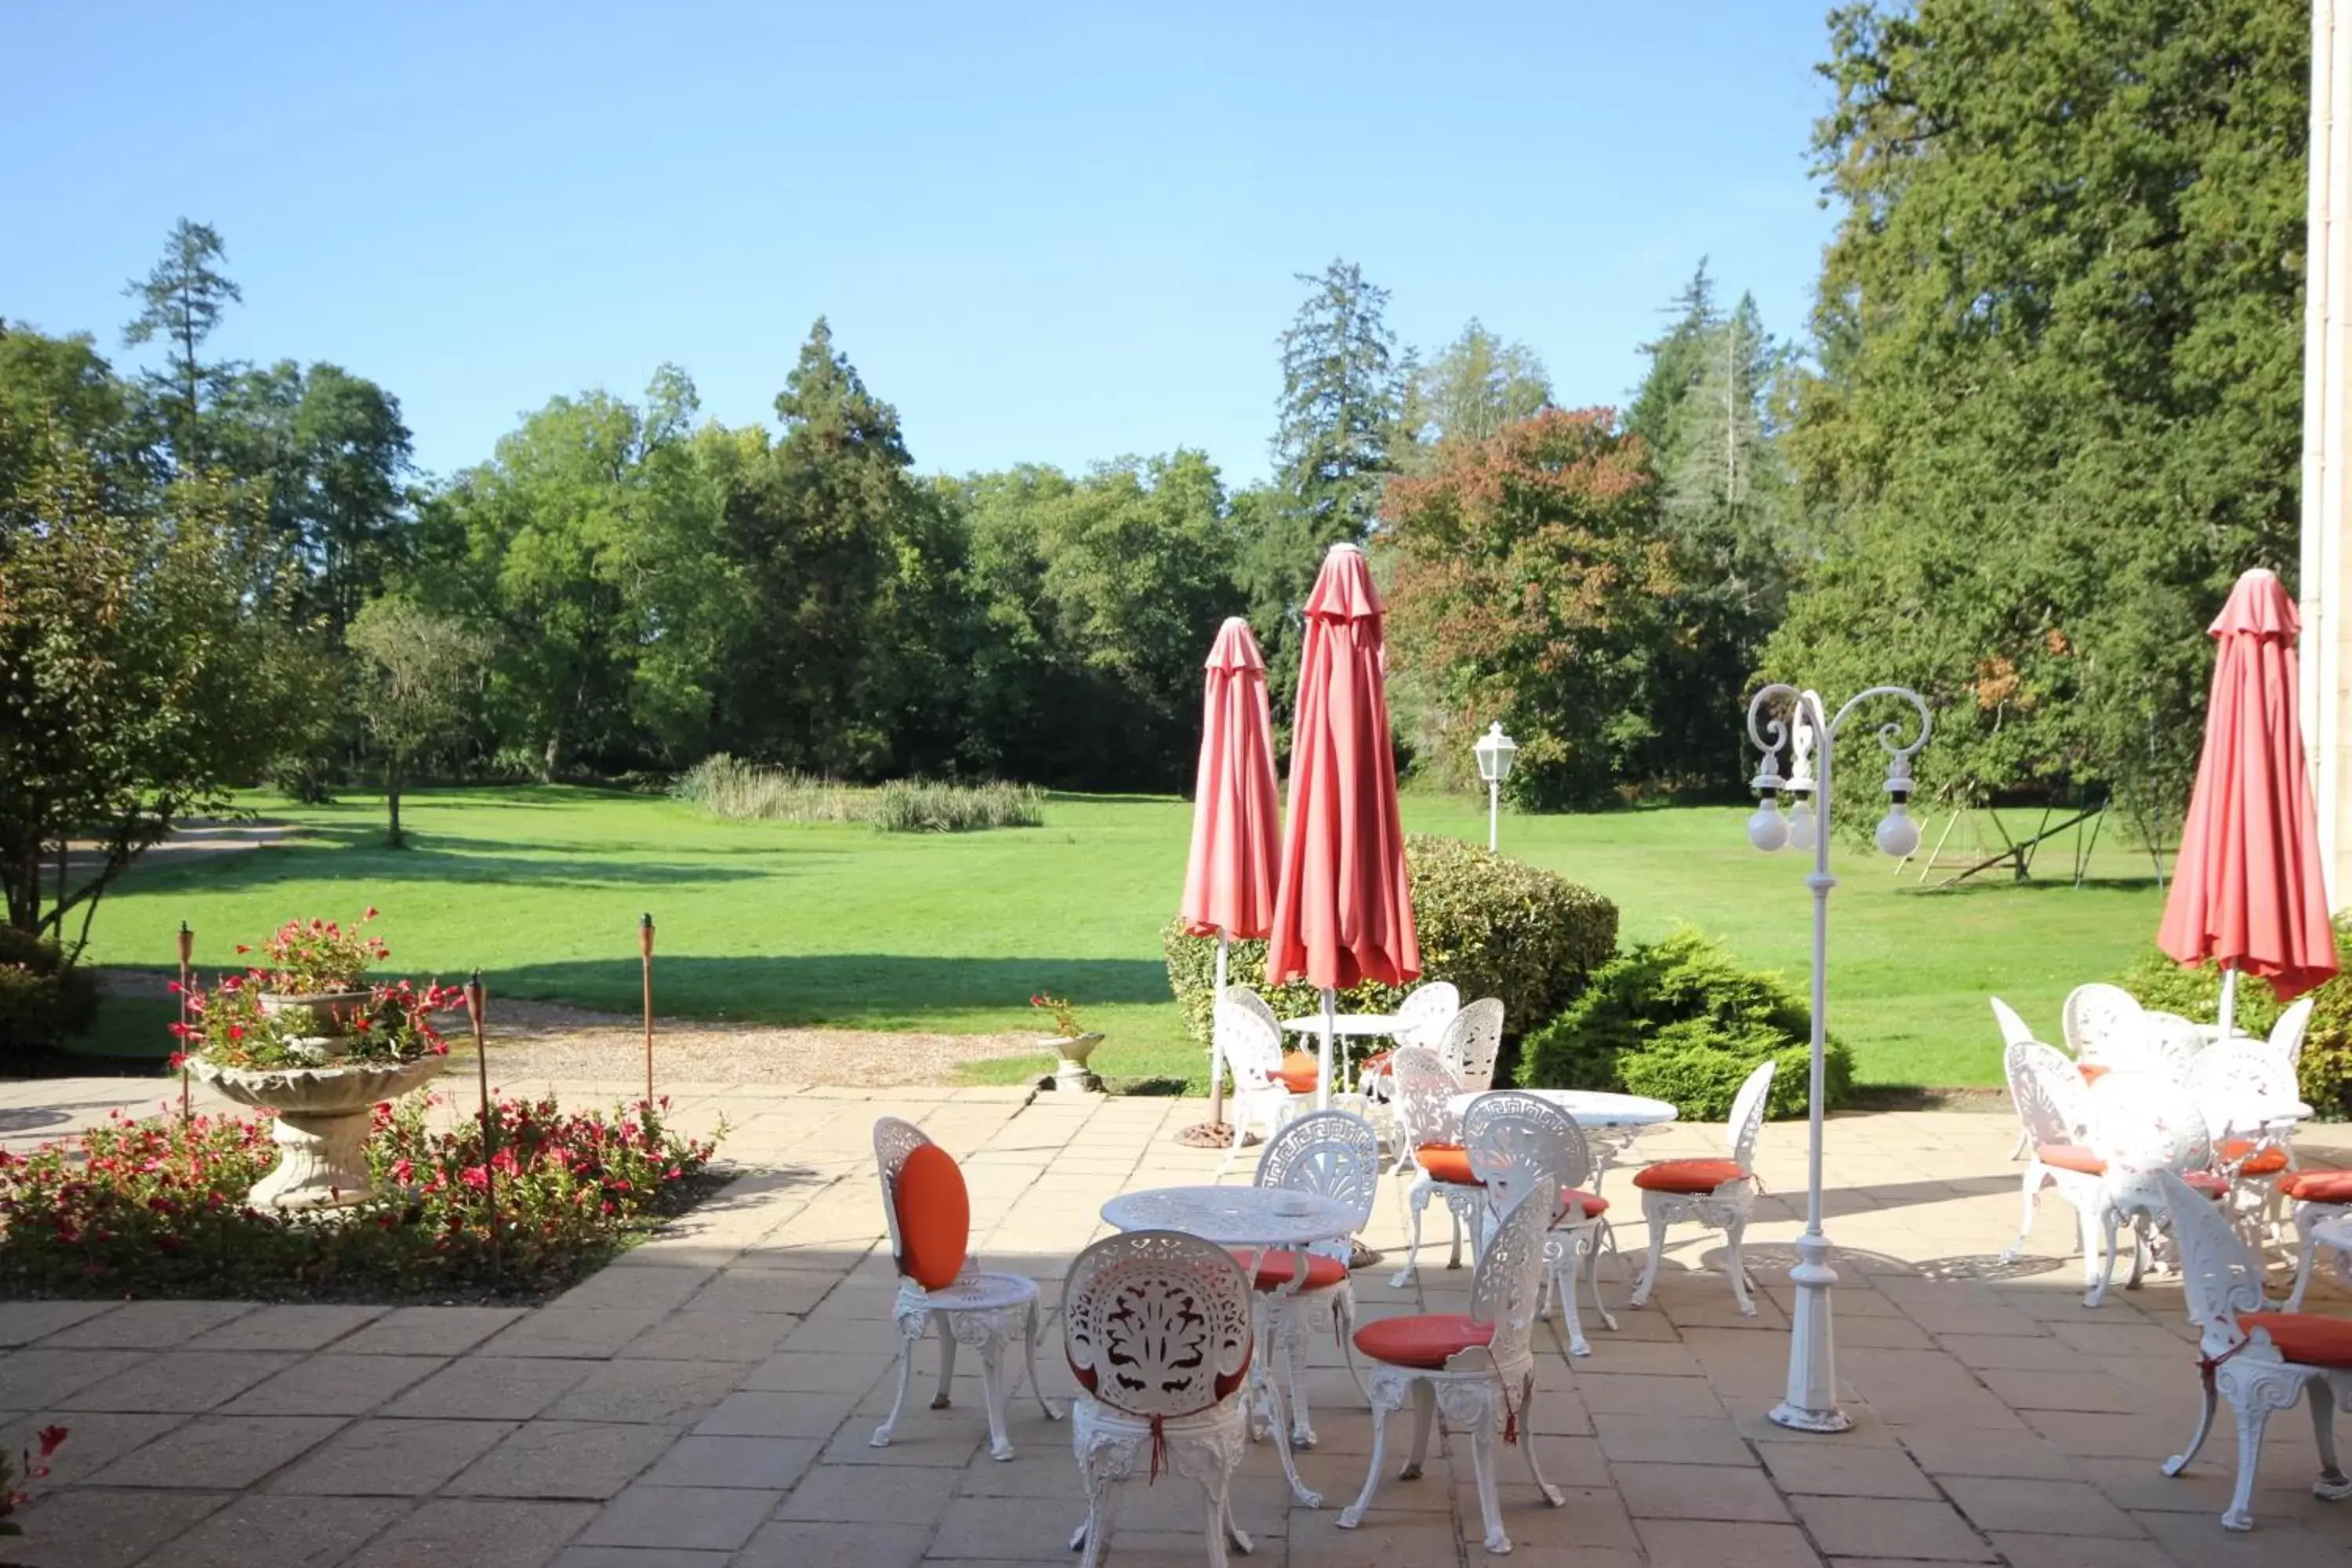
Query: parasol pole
(475, 998)
(646, 960)
(2228, 999)
(1216, 1055)
(187, 950)
(1323, 1069)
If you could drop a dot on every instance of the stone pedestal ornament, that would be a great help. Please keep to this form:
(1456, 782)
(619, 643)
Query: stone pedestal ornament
(1070, 1070)
(324, 1115)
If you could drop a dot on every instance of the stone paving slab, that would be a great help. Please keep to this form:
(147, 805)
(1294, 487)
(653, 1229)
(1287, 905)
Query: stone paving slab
(707, 1400)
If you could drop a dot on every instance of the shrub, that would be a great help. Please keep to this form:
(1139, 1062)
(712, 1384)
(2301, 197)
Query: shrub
(2325, 1070)
(1680, 1020)
(911, 806)
(1492, 925)
(746, 792)
(44, 1000)
(156, 1207)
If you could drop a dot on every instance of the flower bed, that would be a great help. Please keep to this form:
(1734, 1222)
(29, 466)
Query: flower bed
(156, 1207)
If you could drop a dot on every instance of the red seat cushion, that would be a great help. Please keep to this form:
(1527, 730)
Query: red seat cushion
(2307, 1337)
(934, 1218)
(1447, 1163)
(2212, 1183)
(1688, 1176)
(2269, 1162)
(1298, 1072)
(1423, 1340)
(1276, 1270)
(2070, 1157)
(1590, 1203)
(2320, 1186)
(2092, 1071)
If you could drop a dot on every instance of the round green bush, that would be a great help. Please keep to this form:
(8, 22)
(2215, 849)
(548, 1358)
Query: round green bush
(1681, 1020)
(1492, 925)
(2325, 1070)
(44, 1000)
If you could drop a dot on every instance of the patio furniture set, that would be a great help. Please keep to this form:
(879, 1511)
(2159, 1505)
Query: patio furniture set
(1186, 1330)
(2181, 1138)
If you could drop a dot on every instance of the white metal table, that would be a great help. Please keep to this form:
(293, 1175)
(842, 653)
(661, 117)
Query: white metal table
(1346, 1027)
(1609, 1119)
(1260, 1220)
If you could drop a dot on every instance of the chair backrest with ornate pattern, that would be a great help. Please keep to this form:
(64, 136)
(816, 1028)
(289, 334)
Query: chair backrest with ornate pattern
(894, 1140)
(2287, 1034)
(1748, 1113)
(1333, 1155)
(1422, 1017)
(2096, 1015)
(2244, 1087)
(2051, 1100)
(1156, 1323)
(1510, 1268)
(1250, 1042)
(1245, 996)
(1425, 1088)
(2220, 1277)
(2143, 1124)
(2012, 1027)
(1519, 1143)
(2169, 1043)
(1472, 1041)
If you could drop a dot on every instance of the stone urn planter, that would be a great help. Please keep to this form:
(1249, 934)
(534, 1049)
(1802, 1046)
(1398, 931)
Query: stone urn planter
(324, 1116)
(327, 1015)
(1070, 1072)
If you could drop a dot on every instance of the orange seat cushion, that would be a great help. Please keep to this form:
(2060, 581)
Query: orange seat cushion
(1590, 1203)
(2269, 1162)
(934, 1218)
(2306, 1337)
(1298, 1072)
(1687, 1175)
(1447, 1163)
(1276, 1270)
(2070, 1157)
(2320, 1186)
(1424, 1340)
(2092, 1071)
(2212, 1183)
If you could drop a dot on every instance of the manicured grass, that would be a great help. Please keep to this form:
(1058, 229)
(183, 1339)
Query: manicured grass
(831, 923)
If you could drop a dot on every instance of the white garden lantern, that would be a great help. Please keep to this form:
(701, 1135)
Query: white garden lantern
(1495, 752)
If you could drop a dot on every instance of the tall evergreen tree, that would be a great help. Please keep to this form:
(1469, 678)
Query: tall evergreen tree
(181, 301)
(1477, 384)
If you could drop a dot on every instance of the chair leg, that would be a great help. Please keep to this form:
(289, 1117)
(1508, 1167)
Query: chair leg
(1102, 1491)
(1551, 1494)
(2099, 1291)
(2252, 1419)
(1424, 1421)
(2181, 1461)
(1593, 1240)
(2331, 1486)
(992, 1395)
(2024, 1144)
(2087, 1220)
(1343, 1314)
(881, 1439)
(947, 1361)
(1030, 1334)
(1291, 1345)
(2032, 1193)
(1219, 1486)
(1482, 1471)
(1416, 1200)
(1649, 1279)
(2306, 1252)
(1563, 1272)
(1383, 1402)
(1454, 1253)
(1735, 1232)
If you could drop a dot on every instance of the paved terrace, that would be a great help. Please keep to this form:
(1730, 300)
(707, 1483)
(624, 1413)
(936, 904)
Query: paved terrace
(707, 1400)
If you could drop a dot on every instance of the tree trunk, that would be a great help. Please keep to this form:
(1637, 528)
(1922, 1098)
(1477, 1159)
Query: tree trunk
(391, 797)
(554, 755)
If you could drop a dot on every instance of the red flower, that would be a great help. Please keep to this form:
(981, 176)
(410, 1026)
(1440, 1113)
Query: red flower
(241, 947)
(50, 1437)
(370, 913)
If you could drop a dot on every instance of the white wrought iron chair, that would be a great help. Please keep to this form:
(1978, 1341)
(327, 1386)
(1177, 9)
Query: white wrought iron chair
(1476, 1368)
(2095, 1016)
(1718, 1194)
(2013, 1029)
(2169, 1043)
(2287, 1034)
(2143, 1126)
(2259, 1360)
(2247, 1093)
(977, 1308)
(1251, 1040)
(1421, 1020)
(1518, 1145)
(1335, 1155)
(1471, 1041)
(1156, 1325)
(1431, 1140)
(2053, 1110)
(2318, 1196)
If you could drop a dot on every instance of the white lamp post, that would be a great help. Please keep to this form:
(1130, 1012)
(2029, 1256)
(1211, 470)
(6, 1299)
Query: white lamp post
(1495, 752)
(1812, 1402)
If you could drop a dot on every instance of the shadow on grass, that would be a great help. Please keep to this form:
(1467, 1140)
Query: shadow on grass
(852, 990)
(363, 855)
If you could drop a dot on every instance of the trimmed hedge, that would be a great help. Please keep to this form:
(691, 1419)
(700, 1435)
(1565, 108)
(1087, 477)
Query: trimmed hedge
(2325, 1070)
(1492, 925)
(1680, 1020)
(43, 999)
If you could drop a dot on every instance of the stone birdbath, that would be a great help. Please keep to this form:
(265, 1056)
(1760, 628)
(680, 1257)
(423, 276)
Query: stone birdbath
(324, 1117)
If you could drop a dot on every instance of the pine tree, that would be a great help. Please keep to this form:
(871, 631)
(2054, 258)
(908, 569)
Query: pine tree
(180, 302)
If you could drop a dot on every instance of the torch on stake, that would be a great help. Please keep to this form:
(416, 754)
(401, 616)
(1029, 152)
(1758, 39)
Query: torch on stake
(646, 958)
(474, 1006)
(187, 950)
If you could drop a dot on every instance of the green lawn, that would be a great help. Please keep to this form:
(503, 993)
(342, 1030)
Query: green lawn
(541, 889)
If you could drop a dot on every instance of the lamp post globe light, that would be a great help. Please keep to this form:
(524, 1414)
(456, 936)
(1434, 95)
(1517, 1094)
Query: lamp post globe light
(1496, 751)
(1811, 1405)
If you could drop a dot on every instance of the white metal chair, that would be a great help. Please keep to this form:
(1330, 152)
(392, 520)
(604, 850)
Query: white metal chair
(1718, 1194)
(1471, 1041)
(1251, 1040)
(2094, 1016)
(1156, 1325)
(2259, 1360)
(2318, 1196)
(975, 1308)
(2247, 1094)
(1476, 1368)
(2287, 1034)
(1422, 1017)
(2169, 1043)
(1519, 1143)
(1431, 1140)
(2013, 1031)
(2143, 1126)
(2054, 1110)
(1335, 1155)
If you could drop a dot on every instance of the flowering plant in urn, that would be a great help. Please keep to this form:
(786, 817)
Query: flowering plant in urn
(1072, 1043)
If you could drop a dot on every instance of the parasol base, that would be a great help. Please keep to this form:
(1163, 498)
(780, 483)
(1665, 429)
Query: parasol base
(1208, 1135)
(1363, 1256)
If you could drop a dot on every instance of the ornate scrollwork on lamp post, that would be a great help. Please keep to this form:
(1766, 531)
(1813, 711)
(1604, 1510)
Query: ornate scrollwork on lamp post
(1812, 1403)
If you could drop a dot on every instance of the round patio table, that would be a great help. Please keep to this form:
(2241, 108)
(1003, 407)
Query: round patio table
(1611, 1121)
(1258, 1219)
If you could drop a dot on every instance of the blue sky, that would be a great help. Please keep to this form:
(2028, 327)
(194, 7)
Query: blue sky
(1045, 232)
